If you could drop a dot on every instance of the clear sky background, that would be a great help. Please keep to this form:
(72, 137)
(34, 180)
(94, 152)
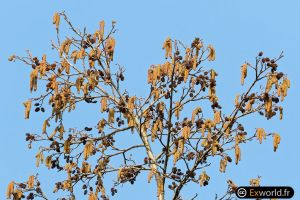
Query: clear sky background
(237, 29)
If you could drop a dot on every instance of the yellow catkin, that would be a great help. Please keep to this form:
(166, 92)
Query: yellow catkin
(78, 84)
(167, 46)
(249, 104)
(84, 88)
(232, 185)
(17, 194)
(178, 108)
(215, 147)
(158, 71)
(111, 115)
(176, 156)
(163, 71)
(39, 158)
(193, 82)
(33, 80)
(217, 117)
(103, 104)
(187, 54)
(86, 167)
(101, 125)
(131, 103)
(272, 79)
(48, 162)
(74, 56)
(268, 107)
(280, 112)
(110, 47)
(61, 131)
(81, 54)
(194, 62)
(203, 129)
(150, 76)
(178, 150)
(213, 74)
(177, 69)
(102, 24)
(237, 154)
(236, 101)
(154, 75)
(10, 190)
(92, 196)
(67, 148)
(131, 123)
(196, 111)
(56, 19)
(30, 182)
(87, 151)
(223, 165)
(154, 131)
(156, 93)
(282, 90)
(65, 47)
(27, 105)
(260, 134)
(186, 132)
(276, 141)
(243, 73)
(205, 143)
(186, 75)
(203, 177)
(212, 53)
(181, 146)
(67, 185)
(169, 69)
(66, 65)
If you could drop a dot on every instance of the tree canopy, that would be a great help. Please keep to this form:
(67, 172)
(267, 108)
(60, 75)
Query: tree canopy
(176, 130)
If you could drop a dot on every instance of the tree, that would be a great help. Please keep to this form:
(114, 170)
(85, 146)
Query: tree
(177, 148)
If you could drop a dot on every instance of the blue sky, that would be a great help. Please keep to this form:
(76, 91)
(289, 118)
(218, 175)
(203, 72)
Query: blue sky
(237, 29)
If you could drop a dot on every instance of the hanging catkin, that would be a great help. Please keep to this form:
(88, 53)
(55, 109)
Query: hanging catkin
(196, 111)
(276, 141)
(217, 117)
(10, 190)
(268, 107)
(168, 47)
(223, 165)
(102, 24)
(280, 112)
(56, 20)
(27, 105)
(30, 182)
(203, 178)
(260, 134)
(212, 53)
(103, 104)
(88, 149)
(33, 79)
(272, 79)
(243, 73)
(111, 115)
(178, 108)
(186, 132)
(237, 154)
